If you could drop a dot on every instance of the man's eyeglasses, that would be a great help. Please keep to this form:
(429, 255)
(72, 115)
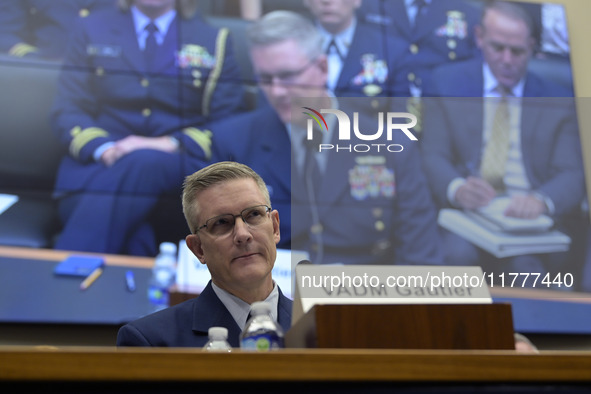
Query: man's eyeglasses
(284, 77)
(224, 224)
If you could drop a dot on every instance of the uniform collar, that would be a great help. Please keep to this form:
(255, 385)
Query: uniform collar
(240, 309)
(342, 40)
(163, 22)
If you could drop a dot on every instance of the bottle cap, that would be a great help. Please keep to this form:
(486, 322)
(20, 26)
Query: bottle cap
(218, 332)
(167, 247)
(260, 308)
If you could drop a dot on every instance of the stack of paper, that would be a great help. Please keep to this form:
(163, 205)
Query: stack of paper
(494, 214)
(498, 242)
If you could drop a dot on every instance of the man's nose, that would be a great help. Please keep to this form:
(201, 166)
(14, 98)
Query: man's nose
(507, 55)
(241, 231)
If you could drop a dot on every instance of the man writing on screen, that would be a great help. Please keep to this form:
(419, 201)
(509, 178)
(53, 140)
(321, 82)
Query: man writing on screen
(234, 231)
(507, 144)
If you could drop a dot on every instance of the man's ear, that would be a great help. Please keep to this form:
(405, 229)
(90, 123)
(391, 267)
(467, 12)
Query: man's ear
(276, 233)
(194, 244)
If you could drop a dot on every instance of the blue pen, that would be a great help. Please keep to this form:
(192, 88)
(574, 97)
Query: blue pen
(130, 280)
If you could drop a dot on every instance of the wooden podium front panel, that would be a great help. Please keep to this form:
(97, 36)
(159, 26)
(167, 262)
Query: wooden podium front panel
(144, 368)
(467, 326)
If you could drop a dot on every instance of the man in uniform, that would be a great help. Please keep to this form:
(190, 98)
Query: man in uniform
(137, 86)
(367, 208)
(234, 231)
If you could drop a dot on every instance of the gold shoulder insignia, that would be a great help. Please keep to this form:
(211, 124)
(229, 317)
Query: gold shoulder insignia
(220, 55)
(201, 138)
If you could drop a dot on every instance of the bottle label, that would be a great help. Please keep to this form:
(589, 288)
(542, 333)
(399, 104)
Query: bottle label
(262, 342)
(158, 296)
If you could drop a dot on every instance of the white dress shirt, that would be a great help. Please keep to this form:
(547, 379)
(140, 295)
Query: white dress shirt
(240, 309)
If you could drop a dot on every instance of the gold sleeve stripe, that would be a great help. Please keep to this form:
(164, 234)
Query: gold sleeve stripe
(75, 131)
(21, 49)
(220, 55)
(83, 137)
(201, 137)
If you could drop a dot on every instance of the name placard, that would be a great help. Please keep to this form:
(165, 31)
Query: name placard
(380, 284)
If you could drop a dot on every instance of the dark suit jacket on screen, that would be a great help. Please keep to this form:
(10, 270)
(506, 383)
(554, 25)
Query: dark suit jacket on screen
(465, 79)
(550, 144)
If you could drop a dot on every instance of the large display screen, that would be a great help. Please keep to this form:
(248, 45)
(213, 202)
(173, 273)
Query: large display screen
(77, 82)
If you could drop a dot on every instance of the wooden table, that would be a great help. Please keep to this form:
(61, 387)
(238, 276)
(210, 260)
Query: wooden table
(313, 370)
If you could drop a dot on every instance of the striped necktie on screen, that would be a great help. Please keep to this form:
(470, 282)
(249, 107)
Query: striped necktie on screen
(496, 151)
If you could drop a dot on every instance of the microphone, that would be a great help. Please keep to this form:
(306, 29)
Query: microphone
(312, 178)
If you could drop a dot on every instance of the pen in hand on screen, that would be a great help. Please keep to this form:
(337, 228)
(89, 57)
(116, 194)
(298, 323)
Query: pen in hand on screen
(91, 278)
(473, 169)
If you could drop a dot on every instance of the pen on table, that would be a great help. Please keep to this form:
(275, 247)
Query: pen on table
(91, 278)
(130, 280)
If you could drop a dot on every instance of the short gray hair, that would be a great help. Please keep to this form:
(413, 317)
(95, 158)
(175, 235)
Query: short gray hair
(279, 26)
(211, 175)
(511, 10)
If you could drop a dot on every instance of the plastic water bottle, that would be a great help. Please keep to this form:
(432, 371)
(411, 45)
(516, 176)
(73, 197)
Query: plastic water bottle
(218, 340)
(163, 276)
(261, 332)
